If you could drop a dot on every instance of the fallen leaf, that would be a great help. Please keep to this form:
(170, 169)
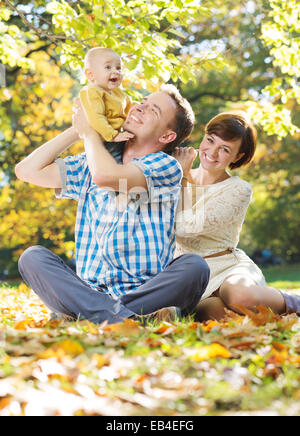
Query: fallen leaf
(207, 327)
(210, 352)
(262, 316)
(166, 329)
(70, 347)
(23, 325)
(23, 288)
(99, 360)
(128, 327)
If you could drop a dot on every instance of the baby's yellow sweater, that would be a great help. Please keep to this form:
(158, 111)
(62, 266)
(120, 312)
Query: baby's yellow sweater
(105, 111)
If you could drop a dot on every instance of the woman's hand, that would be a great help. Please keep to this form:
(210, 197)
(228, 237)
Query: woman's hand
(186, 157)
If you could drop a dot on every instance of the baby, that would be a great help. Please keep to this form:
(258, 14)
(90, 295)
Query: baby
(105, 105)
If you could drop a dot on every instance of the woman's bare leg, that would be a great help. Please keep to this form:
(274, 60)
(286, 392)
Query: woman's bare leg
(238, 290)
(243, 291)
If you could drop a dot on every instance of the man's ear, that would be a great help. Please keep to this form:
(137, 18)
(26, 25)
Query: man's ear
(168, 137)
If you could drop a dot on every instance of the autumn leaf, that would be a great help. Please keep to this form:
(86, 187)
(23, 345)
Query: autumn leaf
(23, 325)
(22, 288)
(81, 368)
(278, 357)
(99, 360)
(66, 347)
(128, 327)
(166, 328)
(210, 352)
(209, 325)
(262, 316)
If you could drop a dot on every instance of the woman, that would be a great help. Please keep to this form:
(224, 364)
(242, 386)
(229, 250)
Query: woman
(210, 218)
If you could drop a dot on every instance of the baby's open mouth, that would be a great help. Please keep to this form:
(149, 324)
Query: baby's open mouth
(114, 80)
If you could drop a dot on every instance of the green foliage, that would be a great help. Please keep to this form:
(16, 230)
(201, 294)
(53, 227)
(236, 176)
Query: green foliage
(149, 35)
(12, 42)
(281, 34)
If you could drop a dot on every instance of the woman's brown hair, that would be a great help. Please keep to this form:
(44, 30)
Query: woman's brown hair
(231, 126)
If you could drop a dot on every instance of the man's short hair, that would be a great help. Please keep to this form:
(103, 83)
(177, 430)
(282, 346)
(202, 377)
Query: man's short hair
(184, 119)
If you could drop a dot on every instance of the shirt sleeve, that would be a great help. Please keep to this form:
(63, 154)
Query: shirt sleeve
(163, 175)
(220, 211)
(73, 173)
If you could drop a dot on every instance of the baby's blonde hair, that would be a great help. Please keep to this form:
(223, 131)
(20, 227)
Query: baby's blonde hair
(96, 51)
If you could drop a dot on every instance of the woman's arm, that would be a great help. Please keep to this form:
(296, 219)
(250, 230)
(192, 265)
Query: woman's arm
(39, 167)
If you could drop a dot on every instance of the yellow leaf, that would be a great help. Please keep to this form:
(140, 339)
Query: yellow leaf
(22, 325)
(61, 349)
(99, 360)
(70, 347)
(209, 352)
(22, 288)
(210, 325)
(127, 328)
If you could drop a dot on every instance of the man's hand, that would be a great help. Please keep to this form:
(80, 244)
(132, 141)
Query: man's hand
(79, 120)
(123, 136)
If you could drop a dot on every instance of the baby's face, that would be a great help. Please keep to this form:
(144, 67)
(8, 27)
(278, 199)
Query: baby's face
(106, 70)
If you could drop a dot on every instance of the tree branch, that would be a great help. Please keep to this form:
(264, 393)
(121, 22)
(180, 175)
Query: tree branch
(30, 25)
(53, 38)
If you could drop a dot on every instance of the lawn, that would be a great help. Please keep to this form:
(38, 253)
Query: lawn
(283, 277)
(245, 365)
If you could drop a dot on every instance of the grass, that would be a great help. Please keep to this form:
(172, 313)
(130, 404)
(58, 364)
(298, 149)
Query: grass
(283, 276)
(245, 365)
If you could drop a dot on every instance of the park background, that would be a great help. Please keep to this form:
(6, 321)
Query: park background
(222, 55)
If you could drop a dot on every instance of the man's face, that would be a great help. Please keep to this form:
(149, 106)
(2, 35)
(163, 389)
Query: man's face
(150, 119)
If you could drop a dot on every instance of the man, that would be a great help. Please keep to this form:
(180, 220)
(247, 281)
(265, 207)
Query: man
(125, 218)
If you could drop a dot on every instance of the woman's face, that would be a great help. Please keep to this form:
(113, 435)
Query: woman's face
(217, 154)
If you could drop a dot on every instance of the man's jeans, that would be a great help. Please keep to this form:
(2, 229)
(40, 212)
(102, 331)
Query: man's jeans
(181, 284)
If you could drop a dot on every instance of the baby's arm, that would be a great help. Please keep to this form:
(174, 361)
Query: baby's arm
(94, 108)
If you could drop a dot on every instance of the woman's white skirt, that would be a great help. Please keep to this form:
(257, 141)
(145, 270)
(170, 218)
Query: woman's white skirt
(227, 265)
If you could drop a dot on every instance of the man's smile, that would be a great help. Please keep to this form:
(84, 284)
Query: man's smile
(135, 119)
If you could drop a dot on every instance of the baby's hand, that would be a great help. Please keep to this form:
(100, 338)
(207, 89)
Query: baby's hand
(123, 136)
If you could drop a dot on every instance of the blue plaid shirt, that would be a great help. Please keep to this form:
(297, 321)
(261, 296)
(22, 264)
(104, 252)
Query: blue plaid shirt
(123, 241)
